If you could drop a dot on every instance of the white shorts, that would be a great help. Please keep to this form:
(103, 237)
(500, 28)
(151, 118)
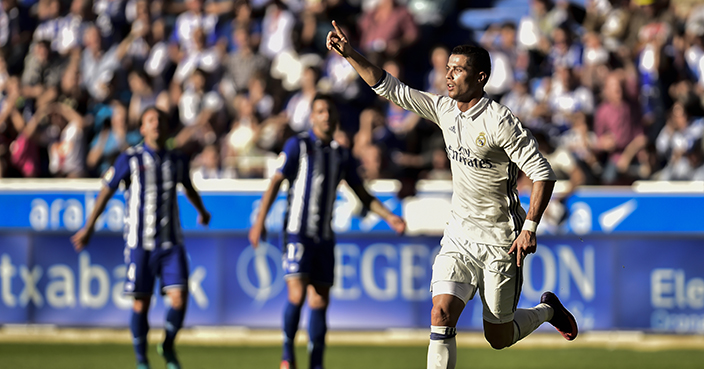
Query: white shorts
(462, 268)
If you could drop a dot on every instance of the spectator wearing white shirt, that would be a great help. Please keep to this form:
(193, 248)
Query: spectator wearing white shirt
(98, 65)
(189, 21)
(277, 28)
(198, 57)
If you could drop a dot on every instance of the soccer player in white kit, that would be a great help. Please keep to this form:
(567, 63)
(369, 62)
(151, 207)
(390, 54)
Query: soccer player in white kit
(487, 146)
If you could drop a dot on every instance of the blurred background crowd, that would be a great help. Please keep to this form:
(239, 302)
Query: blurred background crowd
(612, 89)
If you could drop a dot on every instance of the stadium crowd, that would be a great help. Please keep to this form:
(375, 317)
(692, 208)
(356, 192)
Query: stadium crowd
(613, 89)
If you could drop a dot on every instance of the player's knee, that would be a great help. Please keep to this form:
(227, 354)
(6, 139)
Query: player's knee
(178, 304)
(440, 316)
(296, 298)
(317, 303)
(140, 305)
(497, 342)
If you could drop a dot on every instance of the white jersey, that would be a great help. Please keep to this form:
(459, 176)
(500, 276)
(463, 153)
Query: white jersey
(486, 145)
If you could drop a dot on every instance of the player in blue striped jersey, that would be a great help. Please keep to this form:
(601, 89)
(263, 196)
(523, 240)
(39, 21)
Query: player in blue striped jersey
(154, 243)
(313, 164)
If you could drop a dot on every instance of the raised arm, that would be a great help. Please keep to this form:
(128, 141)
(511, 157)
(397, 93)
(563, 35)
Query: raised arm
(255, 233)
(337, 40)
(419, 102)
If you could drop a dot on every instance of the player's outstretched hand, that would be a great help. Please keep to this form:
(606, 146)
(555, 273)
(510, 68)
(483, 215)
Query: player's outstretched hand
(338, 41)
(81, 238)
(397, 224)
(204, 218)
(523, 245)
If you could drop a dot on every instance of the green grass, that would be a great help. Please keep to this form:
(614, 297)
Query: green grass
(108, 356)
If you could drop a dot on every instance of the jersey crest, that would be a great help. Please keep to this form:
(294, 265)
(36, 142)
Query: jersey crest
(481, 139)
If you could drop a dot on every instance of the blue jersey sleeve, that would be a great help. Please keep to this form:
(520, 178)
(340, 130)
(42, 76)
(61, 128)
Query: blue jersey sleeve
(289, 158)
(118, 172)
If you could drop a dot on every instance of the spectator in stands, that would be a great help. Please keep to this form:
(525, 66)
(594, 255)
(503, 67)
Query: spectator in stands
(257, 93)
(594, 62)
(15, 35)
(696, 160)
(113, 138)
(40, 71)
(48, 13)
(618, 127)
(197, 106)
(298, 107)
(197, 56)
(435, 81)
(160, 56)
(277, 29)
(565, 50)
(522, 103)
(207, 165)
(500, 41)
(610, 19)
(143, 96)
(581, 142)
(241, 150)
(192, 19)
(386, 30)
(678, 136)
(67, 153)
(70, 27)
(98, 65)
(242, 64)
(242, 19)
(11, 126)
(567, 97)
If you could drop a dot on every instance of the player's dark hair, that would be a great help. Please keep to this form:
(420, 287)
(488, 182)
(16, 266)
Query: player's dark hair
(163, 118)
(477, 57)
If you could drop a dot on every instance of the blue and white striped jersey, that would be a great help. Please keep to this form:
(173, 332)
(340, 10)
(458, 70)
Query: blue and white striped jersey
(151, 215)
(314, 170)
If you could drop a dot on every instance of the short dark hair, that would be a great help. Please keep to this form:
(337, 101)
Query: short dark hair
(331, 103)
(163, 118)
(477, 57)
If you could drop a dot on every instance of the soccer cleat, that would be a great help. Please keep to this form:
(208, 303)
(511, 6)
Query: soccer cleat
(143, 366)
(562, 320)
(169, 356)
(285, 364)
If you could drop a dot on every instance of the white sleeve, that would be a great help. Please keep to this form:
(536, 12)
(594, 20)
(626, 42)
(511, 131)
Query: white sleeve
(422, 103)
(522, 148)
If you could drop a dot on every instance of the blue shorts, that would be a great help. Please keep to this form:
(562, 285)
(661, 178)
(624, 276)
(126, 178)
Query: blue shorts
(143, 267)
(303, 257)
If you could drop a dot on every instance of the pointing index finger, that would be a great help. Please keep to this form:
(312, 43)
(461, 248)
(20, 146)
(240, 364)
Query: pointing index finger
(338, 30)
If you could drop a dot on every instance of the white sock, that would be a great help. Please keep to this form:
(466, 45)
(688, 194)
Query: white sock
(526, 321)
(442, 351)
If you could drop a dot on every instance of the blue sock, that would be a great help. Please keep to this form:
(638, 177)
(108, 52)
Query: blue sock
(292, 316)
(139, 327)
(317, 328)
(174, 322)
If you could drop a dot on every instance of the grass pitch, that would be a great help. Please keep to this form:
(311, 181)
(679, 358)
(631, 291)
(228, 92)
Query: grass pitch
(109, 356)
